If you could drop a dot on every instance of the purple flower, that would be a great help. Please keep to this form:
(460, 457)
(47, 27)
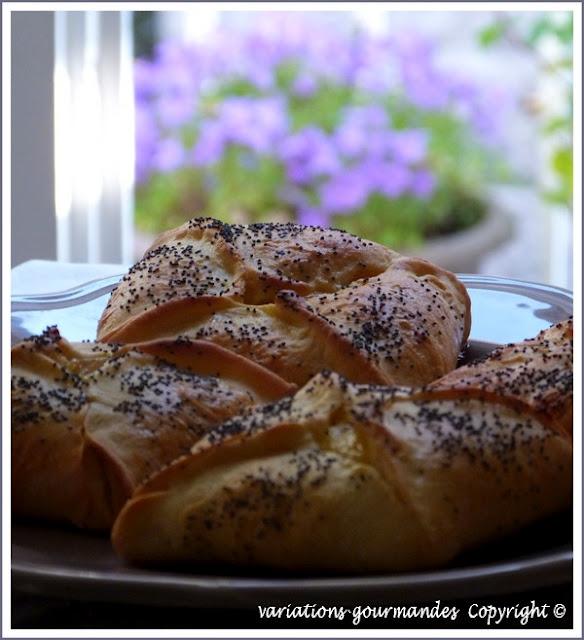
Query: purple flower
(379, 144)
(351, 139)
(377, 72)
(146, 79)
(426, 91)
(423, 184)
(424, 85)
(396, 180)
(409, 146)
(369, 116)
(176, 73)
(257, 123)
(411, 47)
(362, 130)
(176, 109)
(305, 86)
(308, 154)
(184, 89)
(486, 115)
(254, 123)
(169, 155)
(147, 136)
(273, 115)
(387, 177)
(209, 147)
(345, 192)
(463, 90)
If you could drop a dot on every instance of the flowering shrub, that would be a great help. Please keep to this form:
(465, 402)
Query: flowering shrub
(288, 120)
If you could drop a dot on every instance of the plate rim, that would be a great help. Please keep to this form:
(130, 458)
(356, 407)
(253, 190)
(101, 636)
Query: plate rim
(549, 568)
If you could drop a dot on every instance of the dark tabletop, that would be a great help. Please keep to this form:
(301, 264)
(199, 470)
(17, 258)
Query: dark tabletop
(41, 612)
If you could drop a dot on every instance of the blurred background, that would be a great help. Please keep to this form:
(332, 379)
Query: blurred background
(444, 134)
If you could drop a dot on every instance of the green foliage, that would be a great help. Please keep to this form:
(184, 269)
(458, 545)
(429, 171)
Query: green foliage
(234, 86)
(161, 203)
(558, 124)
(546, 26)
(562, 164)
(559, 27)
(491, 34)
(402, 222)
(245, 183)
(286, 74)
(322, 109)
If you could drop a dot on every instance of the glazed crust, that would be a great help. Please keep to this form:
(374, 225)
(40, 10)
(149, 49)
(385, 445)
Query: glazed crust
(295, 300)
(534, 375)
(352, 478)
(91, 421)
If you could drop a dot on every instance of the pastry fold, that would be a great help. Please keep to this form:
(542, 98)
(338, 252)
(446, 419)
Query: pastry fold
(353, 478)
(92, 421)
(534, 375)
(295, 300)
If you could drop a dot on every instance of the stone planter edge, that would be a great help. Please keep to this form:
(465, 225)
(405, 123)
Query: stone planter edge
(463, 251)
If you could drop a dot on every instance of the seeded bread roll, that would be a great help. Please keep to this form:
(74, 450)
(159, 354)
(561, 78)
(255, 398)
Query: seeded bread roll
(296, 300)
(534, 375)
(354, 478)
(91, 421)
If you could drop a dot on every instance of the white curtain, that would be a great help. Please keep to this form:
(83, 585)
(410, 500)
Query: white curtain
(94, 136)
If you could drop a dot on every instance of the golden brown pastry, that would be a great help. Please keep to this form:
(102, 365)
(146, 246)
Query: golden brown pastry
(91, 421)
(347, 477)
(535, 375)
(296, 300)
